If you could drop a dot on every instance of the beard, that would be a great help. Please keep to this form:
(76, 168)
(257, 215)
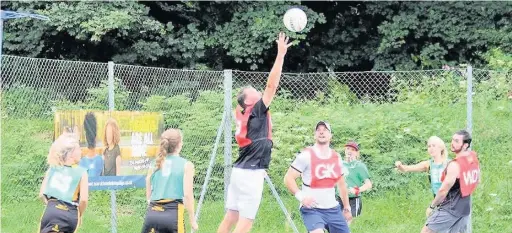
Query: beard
(455, 150)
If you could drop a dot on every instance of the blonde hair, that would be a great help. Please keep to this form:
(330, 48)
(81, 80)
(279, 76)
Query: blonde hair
(116, 133)
(61, 148)
(169, 142)
(438, 141)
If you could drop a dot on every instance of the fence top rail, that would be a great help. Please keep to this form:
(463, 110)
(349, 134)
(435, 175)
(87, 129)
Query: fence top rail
(168, 69)
(248, 72)
(54, 60)
(354, 72)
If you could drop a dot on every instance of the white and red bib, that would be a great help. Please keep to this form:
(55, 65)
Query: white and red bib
(325, 173)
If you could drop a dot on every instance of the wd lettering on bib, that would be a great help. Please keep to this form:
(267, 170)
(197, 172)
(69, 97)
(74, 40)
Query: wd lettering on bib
(469, 175)
(326, 172)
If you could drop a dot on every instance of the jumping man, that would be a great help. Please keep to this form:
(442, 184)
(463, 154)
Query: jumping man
(254, 138)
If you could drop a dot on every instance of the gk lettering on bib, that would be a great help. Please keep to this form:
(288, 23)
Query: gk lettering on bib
(325, 172)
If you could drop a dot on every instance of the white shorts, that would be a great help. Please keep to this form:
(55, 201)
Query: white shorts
(245, 191)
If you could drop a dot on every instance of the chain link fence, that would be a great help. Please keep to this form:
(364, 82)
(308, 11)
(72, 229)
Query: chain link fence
(492, 111)
(190, 100)
(390, 114)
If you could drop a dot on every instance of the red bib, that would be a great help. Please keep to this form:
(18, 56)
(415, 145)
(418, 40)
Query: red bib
(469, 175)
(241, 126)
(325, 173)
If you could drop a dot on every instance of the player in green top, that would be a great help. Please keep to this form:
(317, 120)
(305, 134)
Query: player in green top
(356, 176)
(64, 189)
(169, 188)
(434, 166)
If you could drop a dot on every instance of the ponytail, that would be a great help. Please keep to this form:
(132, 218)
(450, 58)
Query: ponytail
(164, 144)
(170, 142)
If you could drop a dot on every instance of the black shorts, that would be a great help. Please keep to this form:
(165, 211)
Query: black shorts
(165, 218)
(59, 216)
(356, 205)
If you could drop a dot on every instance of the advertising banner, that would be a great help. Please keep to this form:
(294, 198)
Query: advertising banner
(117, 146)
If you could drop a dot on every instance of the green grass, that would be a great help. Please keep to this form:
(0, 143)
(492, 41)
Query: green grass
(394, 212)
(408, 212)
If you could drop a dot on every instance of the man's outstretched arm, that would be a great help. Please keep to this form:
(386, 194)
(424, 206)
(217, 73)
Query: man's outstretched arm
(451, 176)
(275, 74)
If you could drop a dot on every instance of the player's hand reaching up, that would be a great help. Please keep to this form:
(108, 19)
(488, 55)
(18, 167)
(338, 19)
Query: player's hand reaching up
(282, 44)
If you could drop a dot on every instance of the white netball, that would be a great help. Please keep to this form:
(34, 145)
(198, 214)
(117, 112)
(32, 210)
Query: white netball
(295, 20)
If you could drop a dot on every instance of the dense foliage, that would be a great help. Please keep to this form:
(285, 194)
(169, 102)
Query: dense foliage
(240, 35)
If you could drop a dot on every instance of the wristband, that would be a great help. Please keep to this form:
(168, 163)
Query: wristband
(432, 207)
(357, 191)
(299, 195)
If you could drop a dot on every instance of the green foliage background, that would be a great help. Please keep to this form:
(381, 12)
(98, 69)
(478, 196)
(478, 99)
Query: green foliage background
(340, 36)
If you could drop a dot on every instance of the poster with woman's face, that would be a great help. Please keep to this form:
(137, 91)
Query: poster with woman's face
(113, 143)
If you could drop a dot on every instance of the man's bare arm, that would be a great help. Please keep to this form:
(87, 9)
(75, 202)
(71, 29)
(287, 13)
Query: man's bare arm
(342, 187)
(289, 180)
(452, 172)
(275, 74)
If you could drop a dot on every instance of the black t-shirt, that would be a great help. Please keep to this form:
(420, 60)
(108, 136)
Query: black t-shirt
(454, 203)
(257, 154)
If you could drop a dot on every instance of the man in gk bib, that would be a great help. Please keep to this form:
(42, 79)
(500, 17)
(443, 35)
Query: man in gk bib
(321, 170)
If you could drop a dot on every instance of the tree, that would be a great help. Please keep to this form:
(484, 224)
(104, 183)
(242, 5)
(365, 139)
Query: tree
(340, 36)
(427, 35)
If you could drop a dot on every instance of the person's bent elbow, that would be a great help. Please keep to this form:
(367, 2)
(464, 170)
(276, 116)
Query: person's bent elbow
(370, 185)
(286, 179)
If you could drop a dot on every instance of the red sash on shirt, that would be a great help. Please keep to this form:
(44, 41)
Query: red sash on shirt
(241, 126)
(325, 173)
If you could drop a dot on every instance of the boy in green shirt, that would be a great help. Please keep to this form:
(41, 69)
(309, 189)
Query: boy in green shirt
(356, 176)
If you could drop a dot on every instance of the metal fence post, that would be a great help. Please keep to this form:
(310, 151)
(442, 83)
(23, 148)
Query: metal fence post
(111, 107)
(281, 204)
(469, 74)
(469, 126)
(228, 86)
(210, 168)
